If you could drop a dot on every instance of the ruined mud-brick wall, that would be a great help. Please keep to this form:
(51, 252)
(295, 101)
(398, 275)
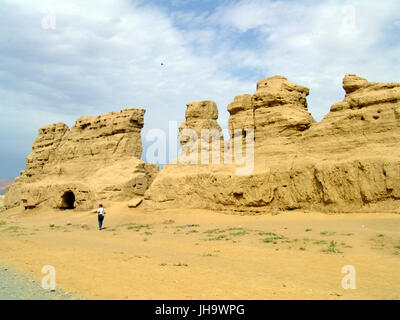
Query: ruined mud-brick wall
(350, 161)
(201, 117)
(97, 160)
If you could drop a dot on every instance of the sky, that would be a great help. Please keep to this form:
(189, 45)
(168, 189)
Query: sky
(60, 60)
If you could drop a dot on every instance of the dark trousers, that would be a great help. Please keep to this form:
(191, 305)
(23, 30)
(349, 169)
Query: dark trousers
(101, 218)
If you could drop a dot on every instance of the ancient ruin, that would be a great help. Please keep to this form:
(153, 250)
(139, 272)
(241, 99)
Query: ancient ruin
(200, 134)
(350, 161)
(98, 160)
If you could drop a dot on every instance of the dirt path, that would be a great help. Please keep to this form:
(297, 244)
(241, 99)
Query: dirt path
(198, 254)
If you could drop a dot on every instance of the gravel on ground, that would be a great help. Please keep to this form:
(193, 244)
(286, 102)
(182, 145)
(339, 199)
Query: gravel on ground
(16, 286)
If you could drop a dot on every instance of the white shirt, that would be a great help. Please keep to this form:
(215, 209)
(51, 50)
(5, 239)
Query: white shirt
(101, 211)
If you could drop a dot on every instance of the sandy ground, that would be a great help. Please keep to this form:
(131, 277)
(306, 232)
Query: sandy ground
(199, 254)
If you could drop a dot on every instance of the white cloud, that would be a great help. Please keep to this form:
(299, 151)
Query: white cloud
(317, 43)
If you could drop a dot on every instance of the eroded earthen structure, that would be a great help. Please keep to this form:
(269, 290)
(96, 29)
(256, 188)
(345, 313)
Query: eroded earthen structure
(348, 161)
(97, 160)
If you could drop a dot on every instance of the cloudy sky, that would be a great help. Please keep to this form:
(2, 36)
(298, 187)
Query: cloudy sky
(63, 59)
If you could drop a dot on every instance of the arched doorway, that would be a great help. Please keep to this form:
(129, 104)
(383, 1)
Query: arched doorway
(68, 200)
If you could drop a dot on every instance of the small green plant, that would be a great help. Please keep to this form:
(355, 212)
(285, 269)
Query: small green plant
(345, 245)
(308, 230)
(136, 227)
(236, 229)
(397, 247)
(180, 264)
(147, 233)
(188, 226)
(209, 255)
(380, 235)
(272, 239)
(266, 233)
(212, 231)
(192, 231)
(140, 226)
(302, 249)
(326, 233)
(219, 237)
(239, 233)
(163, 264)
(13, 228)
(2, 223)
(332, 248)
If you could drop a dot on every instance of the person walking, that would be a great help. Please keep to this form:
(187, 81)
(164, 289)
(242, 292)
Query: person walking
(100, 215)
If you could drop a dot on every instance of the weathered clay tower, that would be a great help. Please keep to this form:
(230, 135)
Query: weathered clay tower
(97, 160)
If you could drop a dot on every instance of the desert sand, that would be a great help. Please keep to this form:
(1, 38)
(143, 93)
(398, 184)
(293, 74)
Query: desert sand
(200, 254)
